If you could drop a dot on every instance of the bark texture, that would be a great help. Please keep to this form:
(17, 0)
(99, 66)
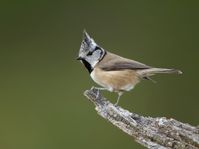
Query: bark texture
(153, 133)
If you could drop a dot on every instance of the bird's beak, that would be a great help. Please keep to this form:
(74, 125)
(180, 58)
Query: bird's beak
(79, 58)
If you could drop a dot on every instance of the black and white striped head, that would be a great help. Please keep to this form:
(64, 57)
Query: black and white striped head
(90, 53)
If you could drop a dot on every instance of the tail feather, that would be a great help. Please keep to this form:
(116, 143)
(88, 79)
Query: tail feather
(152, 71)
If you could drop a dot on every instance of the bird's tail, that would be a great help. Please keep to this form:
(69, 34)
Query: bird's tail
(152, 71)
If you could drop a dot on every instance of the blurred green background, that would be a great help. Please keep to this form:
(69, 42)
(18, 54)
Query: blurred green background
(41, 83)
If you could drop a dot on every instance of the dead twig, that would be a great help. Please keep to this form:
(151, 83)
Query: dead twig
(153, 133)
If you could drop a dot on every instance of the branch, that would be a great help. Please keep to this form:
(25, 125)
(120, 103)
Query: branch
(153, 133)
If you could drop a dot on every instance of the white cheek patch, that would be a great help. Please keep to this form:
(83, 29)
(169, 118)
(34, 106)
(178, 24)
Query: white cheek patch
(93, 59)
(94, 63)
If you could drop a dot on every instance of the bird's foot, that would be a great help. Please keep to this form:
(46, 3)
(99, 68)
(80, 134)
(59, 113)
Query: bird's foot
(116, 104)
(98, 90)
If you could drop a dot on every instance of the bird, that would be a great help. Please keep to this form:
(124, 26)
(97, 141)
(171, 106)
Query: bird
(113, 72)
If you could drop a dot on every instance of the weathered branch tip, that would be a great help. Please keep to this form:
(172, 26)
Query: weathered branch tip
(153, 133)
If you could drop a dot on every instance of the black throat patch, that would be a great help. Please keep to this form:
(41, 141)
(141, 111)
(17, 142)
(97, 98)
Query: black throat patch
(87, 65)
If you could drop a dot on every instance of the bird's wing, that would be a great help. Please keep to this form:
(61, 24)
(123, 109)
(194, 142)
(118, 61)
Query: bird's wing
(123, 65)
(120, 63)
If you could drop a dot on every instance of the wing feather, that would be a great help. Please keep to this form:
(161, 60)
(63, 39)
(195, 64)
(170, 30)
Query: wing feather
(115, 63)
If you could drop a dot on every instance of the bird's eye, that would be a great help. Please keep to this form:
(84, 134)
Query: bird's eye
(89, 53)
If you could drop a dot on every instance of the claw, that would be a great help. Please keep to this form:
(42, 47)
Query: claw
(97, 95)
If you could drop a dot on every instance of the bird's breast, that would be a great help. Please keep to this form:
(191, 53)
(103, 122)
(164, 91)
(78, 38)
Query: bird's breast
(123, 80)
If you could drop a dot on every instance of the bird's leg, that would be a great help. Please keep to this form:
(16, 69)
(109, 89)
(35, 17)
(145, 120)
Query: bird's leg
(118, 98)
